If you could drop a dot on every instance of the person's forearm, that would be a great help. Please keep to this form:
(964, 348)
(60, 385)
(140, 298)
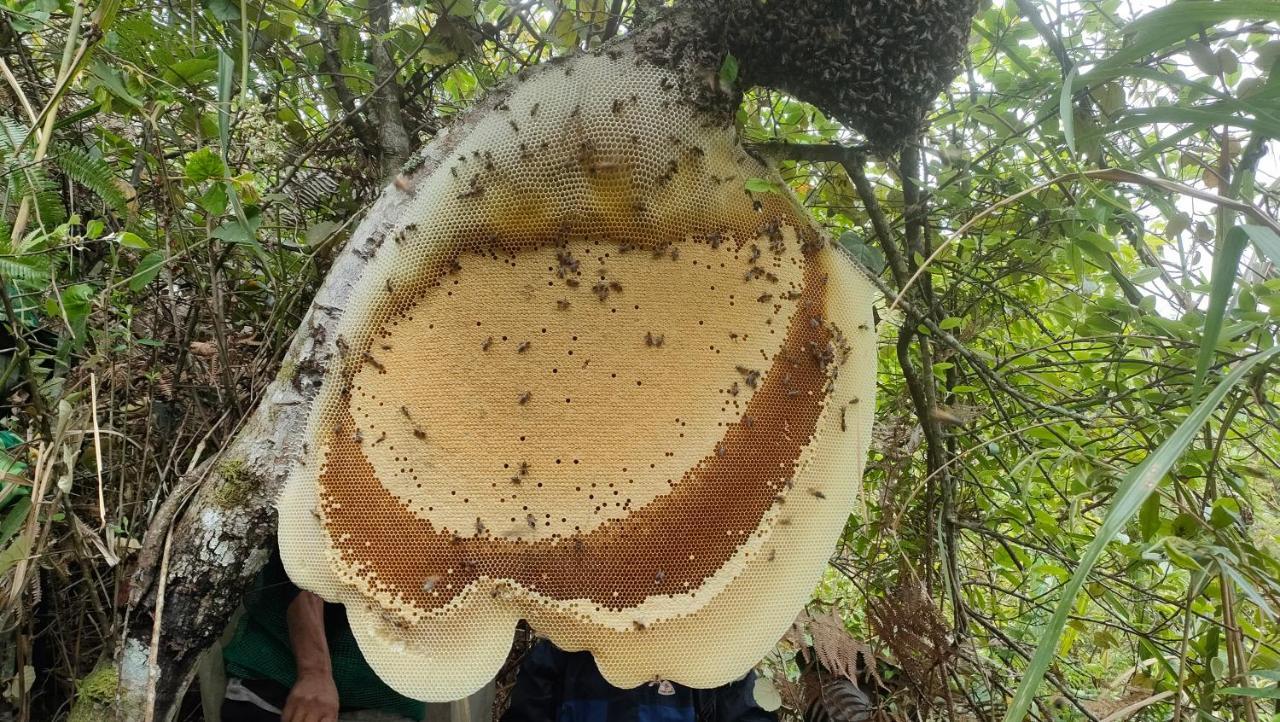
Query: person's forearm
(306, 635)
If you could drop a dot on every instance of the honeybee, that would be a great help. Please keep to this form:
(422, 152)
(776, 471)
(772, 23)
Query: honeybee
(484, 346)
(524, 397)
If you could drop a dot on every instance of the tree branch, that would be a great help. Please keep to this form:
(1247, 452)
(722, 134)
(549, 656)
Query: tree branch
(1051, 38)
(393, 138)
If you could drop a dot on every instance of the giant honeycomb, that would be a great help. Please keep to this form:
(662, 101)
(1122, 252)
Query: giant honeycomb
(588, 380)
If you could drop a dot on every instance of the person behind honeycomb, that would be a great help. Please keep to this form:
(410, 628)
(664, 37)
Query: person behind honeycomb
(294, 659)
(557, 686)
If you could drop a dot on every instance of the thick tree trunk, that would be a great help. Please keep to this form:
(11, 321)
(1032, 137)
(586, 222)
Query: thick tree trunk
(205, 547)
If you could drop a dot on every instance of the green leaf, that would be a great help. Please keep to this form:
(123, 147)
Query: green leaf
(458, 8)
(214, 200)
(148, 269)
(1265, 240)
(1226, 260)
(114, 83)
(17, 551)
(235, 230)
(1149, 517)
(1138, 484)
(14, 517)
(1270, 693)
(1066, 113)
(761, 185)
(226, 11)
(1225, 513)
(728, 69)
(203, 165)
(226, 74)
(1162, 28)
(869, 256)
(132, 240)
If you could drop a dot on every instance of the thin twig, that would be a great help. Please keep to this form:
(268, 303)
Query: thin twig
(153, 654)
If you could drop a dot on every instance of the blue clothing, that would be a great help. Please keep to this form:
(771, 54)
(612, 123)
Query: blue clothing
(557, 686)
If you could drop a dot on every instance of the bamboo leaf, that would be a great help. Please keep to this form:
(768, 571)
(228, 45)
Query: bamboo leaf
(1273, 693)
(1066, 115)
(1265, 240)
(1226, 261)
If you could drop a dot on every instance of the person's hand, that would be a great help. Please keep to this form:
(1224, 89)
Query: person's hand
(314, 698)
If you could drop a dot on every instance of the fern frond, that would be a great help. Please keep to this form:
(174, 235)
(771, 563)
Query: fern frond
(12, 135)
(26, 268)
(94, 174)
(32, 182)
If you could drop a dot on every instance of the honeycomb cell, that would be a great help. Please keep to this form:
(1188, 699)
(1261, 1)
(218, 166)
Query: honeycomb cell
(589, 380)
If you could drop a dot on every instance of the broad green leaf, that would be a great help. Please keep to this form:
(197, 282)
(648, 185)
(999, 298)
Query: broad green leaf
(204, 164)
(129, 239)
(17, 550)
(147, 270)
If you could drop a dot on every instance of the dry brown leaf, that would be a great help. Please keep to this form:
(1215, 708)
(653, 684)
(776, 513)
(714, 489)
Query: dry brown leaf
(838, 650)
(203, 348)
